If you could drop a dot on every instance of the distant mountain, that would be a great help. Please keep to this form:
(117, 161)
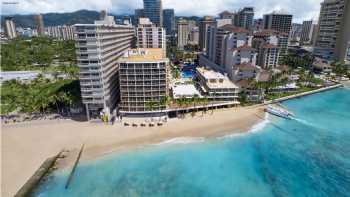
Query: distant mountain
(53, 19)
(80, 16)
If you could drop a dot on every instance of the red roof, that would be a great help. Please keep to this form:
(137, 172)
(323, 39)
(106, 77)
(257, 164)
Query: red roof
(270, 32)
(247, 67)
(234, 29)
(270, 46)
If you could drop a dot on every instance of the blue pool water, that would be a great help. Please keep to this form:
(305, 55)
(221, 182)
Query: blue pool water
(187, 74)
(309, 156)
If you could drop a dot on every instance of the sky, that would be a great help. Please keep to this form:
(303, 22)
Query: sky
(301, 9)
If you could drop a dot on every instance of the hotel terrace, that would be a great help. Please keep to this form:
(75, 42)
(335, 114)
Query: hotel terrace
(215, 86)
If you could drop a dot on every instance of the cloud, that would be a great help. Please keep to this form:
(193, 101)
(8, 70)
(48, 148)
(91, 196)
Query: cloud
(301, 9)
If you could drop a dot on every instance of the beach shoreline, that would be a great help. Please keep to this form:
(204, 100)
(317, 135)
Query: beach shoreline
(26, 146)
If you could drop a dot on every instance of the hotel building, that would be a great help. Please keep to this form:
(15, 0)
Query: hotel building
(204, 24)
(169, 21)
(193, 37)
(307, 32)
(278, 21)
(244, 18)
(228, 47)
(333, 30)
(150, 36)
(183, 31)
(266, 42)
(215, 86)
(138, 14)
(39, 24)
(143, 80)
(10, 28)
(61, 32)
(153, 9)
(99, 46)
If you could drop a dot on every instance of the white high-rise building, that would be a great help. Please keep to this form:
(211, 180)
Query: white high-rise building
(229, 47)
(150, 36)
(61, 32)
(272, 46)
(99, 46)
(10, 28)
(183, 31)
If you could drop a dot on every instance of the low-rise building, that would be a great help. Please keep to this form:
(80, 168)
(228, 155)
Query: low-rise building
(143, 79)
(245, 71)
(216, 86)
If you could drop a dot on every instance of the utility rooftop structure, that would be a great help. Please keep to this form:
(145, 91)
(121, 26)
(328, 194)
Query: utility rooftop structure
(143, 81)
(99, 46)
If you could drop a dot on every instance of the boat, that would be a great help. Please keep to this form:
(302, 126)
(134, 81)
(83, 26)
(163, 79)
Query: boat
(278, 112)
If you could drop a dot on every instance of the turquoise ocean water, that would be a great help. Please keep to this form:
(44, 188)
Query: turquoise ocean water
(309, 156)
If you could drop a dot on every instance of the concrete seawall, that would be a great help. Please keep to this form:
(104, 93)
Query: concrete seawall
(303, 94)
(27, 189)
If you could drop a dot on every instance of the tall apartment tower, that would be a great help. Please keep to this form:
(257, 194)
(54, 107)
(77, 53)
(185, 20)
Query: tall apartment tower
(229, 47)
(150, 36)
(143, 81)
(153, 9)
(99, 46)
(333, 30)
(204, 24)
(169, 21)
(278, 21)
(183, 31)
(245, 18)
(39, 24)
(267, 41)
(307, 32)
(193, 37)
(227, 15)
(10, 28)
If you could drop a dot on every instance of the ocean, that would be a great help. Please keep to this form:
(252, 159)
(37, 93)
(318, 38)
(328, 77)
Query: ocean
(306, 156)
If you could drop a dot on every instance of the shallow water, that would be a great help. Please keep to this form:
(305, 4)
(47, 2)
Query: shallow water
(307, 156)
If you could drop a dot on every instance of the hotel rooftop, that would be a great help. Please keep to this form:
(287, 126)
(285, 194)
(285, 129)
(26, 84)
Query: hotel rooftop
(215, 79)
(143, 55)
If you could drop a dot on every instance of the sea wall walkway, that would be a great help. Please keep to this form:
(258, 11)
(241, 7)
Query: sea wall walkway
(27, 189)
(303, 94)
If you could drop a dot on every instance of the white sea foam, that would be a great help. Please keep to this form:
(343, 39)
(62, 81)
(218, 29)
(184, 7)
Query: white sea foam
(255, 128)
(182, 140)
(233, 135)
(261, 125)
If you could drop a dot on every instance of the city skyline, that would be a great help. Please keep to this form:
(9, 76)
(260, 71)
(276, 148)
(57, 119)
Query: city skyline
(301, 9)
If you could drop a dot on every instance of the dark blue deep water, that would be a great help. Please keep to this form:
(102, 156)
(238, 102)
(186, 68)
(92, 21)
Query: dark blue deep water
(308, 156)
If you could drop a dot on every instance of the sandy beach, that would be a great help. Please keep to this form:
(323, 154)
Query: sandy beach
(26, 145)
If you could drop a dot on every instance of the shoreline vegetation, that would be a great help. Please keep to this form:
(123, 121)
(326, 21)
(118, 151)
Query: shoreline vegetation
(27, 146)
